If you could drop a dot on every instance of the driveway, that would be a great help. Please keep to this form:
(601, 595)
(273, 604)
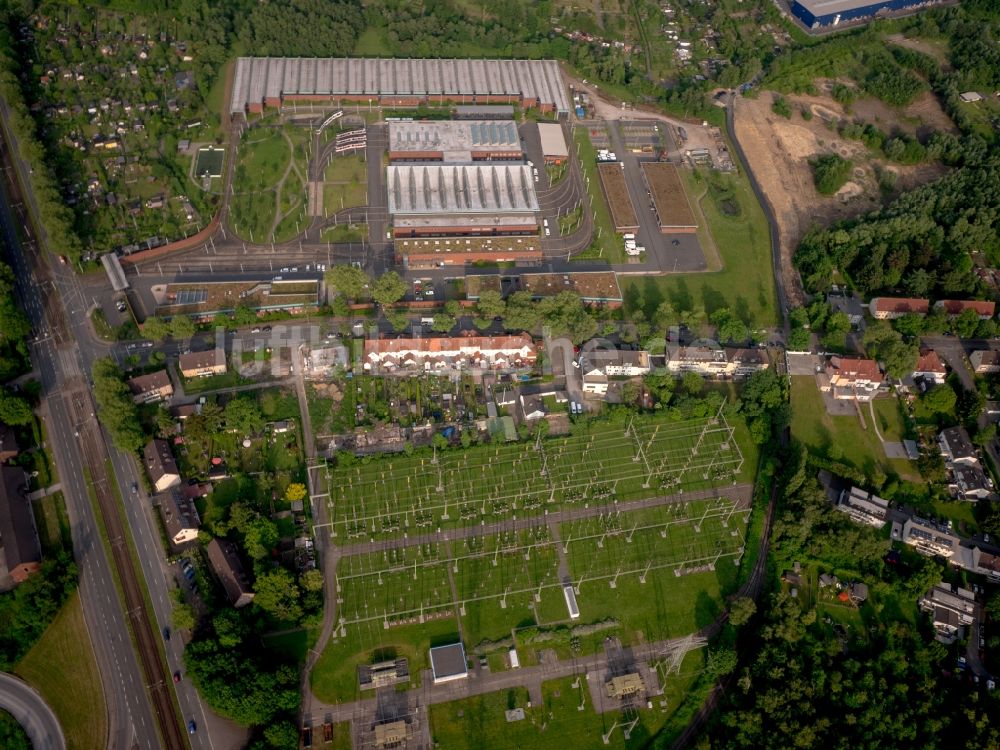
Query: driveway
(952, 351)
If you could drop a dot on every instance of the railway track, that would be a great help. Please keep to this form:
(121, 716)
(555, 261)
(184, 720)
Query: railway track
(142, 626)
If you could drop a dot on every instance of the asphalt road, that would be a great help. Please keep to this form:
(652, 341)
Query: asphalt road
(63, 367)
(24, 703)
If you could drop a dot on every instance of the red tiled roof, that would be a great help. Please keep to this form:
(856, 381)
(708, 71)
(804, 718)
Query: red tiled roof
(958, 306)
(902, 305)
(856, 368)
(930, 361)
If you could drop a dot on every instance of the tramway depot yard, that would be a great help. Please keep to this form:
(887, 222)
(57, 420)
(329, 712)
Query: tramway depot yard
(643, 520)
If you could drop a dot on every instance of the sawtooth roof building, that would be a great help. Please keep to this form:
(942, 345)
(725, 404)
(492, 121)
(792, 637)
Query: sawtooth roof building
(261, 82)
(474, 199)
(454, 141)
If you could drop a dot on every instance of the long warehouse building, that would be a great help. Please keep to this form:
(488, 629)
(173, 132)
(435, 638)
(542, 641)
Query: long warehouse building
(816, 13)
(470, 200)
(261, 82)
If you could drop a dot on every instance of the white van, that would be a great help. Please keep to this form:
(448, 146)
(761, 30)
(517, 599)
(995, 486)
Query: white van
(545, 223)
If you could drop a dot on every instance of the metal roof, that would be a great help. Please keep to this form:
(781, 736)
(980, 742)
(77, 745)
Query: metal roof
(466, 189)
(827, 7)
(456, 139)
(553, 139)
(259, 78)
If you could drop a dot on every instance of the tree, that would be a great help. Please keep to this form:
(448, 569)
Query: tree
(965, 324)
(522, 313)
(155, 328)
(282, 734)
(244, 315)
(830, 172)
(242, 415)
(388, 289)
(295, 491)
(490, 304)
(348, 281)
(311, 580)
(14, 410)
(443, 322)
(799, 340)
(985, 435)
(692, 383)
(182, 616)
(275, 592)
(741, 610)
(721, 662)
(181, 327)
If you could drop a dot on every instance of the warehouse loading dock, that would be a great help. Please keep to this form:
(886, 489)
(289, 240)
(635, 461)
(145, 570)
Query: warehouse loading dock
(673, 211)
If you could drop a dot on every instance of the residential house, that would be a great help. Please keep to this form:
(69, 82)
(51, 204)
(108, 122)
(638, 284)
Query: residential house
(853, 378)
(955, 307)
(202, 364)
(929, 538)
(985, 361)
(863, 507)
(978, 561)
(436, 354)
(8, 443)
(599, 365)
(226, 565)
(325, 362)
(20, 552)
(890, 308)
(957, 448)
(930, 368)
(859, 592)
(705, 360)
(160, 465)
(532, 407)
(745, 362)
(180, 517)
(848, 304)
(148, 389)
(951, 608)
(184, 411)
(969, 483)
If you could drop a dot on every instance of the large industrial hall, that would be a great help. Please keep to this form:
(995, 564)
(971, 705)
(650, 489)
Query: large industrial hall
(261, 82)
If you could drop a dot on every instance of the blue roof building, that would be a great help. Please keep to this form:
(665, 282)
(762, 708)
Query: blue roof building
(814, 13)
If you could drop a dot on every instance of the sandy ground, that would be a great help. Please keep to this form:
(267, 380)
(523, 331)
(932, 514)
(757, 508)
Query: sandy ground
(779, 151)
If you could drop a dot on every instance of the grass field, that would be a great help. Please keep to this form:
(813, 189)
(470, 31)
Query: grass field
(63, 669)
(841, 438)
(479, 723)
(52, 523)
(739, 231)
(890, 418)
(605, 244)
(346, 183)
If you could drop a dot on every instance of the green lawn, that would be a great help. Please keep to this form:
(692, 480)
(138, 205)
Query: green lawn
(479, 723)
(345, 183)
(840, 438)
(739, 230)
(345, 233)
(335, 676)
(63, 669)
(890, 419)
(52, 523)
(608, 245)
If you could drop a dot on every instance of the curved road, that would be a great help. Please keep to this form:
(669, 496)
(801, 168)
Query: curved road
(24, 703)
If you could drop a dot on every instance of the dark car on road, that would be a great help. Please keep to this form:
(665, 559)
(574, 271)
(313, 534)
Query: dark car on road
(192, 727)
(166, 634)
(177, 676)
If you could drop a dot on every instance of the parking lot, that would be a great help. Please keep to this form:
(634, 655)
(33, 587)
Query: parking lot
(665, 253)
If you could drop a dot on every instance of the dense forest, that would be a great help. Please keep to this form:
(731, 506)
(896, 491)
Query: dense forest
(819, 673)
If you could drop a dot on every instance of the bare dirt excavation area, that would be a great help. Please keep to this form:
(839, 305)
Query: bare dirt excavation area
(780, 150)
